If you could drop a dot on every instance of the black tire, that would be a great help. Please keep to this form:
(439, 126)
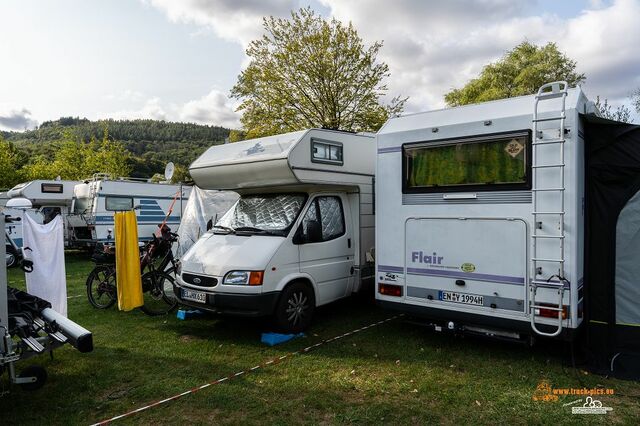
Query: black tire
(157, 291)
(295, 308)
(101, 287)
(12, 257)
(34, 371)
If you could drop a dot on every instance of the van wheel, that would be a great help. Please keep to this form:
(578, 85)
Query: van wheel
(295, 308)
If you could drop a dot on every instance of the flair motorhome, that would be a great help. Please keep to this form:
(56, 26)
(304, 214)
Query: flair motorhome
(480, 215)
(95, 201)
(300, 235)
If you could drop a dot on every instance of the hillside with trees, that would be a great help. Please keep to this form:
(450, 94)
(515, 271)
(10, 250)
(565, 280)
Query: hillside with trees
(143, 147)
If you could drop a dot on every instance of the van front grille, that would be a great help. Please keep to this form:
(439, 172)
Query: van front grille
(200, 280)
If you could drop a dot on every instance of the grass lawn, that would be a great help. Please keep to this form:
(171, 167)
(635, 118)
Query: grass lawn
(396, 373)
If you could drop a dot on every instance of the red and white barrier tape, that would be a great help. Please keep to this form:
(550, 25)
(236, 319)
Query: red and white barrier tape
(240, 373)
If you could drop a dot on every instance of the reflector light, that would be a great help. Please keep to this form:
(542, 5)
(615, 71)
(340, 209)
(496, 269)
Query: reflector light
(551, 313)
(390, 289)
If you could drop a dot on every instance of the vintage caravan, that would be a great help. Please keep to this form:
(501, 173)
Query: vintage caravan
(96, 200)
(49, 198)
(300, 235)
(480, 215)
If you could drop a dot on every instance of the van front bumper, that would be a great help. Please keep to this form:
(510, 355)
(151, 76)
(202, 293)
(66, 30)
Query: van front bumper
(246, 305)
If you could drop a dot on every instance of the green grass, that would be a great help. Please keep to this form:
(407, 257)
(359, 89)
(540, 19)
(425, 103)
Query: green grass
(397, 373)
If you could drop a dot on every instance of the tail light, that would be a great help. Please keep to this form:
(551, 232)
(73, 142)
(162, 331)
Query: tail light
(390, 289)
(551, 313)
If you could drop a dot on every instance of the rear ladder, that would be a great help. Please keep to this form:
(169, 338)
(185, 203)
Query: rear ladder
(546, 218)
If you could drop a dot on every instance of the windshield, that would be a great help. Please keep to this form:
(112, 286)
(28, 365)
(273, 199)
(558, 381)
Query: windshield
(263, 213)
(81, 205)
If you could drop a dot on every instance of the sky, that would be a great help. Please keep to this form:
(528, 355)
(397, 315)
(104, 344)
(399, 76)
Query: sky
(178, 59)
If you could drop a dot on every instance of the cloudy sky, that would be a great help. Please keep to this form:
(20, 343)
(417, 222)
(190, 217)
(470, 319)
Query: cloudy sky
(177, 59)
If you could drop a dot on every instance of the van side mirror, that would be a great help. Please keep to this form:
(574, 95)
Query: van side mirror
(313, 231)
(310, 231)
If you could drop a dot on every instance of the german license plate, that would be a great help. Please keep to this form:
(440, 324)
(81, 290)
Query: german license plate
(464, 298)
(194, 296)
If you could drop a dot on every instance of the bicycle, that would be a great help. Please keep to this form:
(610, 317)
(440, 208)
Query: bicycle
(157, 283)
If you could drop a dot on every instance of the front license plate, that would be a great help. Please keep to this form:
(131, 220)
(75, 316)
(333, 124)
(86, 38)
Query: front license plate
(466, 299)
(194, 296)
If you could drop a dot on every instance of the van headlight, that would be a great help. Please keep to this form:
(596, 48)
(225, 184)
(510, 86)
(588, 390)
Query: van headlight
(243, 278)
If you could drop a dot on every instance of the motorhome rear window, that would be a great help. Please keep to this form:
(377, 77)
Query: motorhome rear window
(478, 163)
(118, 203)
(326, 152)
(51, 188)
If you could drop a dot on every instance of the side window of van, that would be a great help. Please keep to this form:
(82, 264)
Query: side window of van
(324, 219)
(118, 203)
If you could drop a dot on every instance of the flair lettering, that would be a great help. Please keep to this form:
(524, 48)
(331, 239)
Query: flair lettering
(431, 259)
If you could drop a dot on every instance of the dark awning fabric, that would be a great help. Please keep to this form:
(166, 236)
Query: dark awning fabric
(612, 173)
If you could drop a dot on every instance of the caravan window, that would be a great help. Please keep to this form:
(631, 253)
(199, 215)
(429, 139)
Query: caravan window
(118, 203)
(479, 163)
(51, 188)
(326, 152)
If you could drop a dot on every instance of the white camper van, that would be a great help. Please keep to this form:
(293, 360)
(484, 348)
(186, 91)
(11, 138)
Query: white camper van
(298, 237)
(480, 218)
(95, 202)
(49, 198)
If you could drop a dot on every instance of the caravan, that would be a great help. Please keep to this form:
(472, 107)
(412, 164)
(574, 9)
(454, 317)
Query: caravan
(480, 215)
(300, 235)
(49, 198)
(96, 200)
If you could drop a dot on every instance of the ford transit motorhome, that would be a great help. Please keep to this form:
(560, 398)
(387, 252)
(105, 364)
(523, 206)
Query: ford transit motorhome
(480, 215)
(300, 235)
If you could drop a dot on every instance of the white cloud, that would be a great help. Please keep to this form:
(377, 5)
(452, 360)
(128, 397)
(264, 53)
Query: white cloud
(214, 108)
(152, 108)
(432, 47)
(16, 119)
(235, 20)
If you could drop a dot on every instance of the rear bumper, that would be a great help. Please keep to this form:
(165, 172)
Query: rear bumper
(443, 317)
(246, 305)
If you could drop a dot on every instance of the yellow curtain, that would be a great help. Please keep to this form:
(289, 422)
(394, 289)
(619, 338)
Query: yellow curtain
(128, 278)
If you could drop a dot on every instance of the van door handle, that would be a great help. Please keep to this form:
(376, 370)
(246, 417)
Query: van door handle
(460, 282)
(348, 242)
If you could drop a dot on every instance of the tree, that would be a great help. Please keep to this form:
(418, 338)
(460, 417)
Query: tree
(521, 71)
(621, 113)
(75, 159)
(309, 72)
(8, 165)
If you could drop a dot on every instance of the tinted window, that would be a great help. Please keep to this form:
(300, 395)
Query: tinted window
(326, 152)
(499, 160)
(118, 203)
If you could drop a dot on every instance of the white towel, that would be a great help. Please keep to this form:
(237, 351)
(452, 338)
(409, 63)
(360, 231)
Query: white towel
(48, 280)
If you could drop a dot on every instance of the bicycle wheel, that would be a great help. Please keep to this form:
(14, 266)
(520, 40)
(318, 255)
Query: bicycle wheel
(157, 291)
(101, 287)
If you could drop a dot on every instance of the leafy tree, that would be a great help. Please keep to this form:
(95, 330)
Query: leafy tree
(621, 113)
(521, 71)
(8, 164)
(75, 159)
(309, 72)
(237, 135)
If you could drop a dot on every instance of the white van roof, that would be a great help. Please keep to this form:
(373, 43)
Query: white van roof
(493, 110)
(287, 159)
(45, 191)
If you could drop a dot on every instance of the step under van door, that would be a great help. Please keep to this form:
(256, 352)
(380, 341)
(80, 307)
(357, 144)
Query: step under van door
(476, 265)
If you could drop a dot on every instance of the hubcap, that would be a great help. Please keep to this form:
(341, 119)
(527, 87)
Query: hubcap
(296, 308)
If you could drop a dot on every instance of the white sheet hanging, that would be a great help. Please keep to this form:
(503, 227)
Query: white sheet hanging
(48, 280)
